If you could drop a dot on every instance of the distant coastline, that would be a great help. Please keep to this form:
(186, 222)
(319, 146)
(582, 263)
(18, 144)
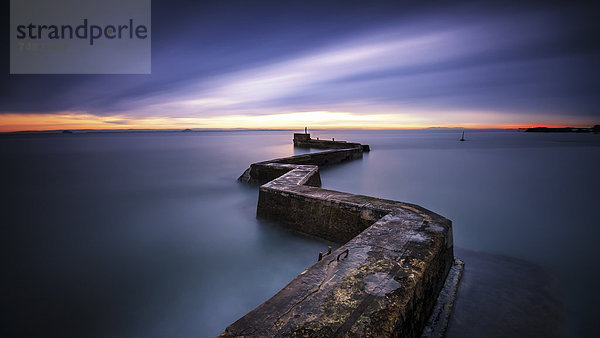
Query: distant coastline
(594, 129)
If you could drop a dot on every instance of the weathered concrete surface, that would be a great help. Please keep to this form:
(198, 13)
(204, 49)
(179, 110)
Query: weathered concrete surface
(305, 141)
(383, 281)
(262, 172)
(440, 316)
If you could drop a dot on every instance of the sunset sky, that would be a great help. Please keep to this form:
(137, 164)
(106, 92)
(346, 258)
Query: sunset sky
(326, 64)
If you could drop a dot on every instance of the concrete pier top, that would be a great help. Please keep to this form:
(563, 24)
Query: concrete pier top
(385, 278)
(303, 140)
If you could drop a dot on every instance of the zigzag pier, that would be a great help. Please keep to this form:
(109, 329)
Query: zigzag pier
(393, 275)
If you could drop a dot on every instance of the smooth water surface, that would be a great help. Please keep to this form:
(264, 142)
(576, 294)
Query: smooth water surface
(529, 196)
(139, 234)
(149, 235)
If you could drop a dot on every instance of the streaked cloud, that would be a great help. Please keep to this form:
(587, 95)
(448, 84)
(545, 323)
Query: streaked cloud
(471, 66)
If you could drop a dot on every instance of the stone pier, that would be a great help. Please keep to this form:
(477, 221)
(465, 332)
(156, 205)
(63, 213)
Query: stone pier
(304, 141)
(385, 278)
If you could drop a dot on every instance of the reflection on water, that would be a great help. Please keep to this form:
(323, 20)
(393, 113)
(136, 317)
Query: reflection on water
(148, 234)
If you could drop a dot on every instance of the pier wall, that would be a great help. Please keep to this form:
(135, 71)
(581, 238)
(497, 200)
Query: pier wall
(262, 172)
(304, 141)
(383, 281)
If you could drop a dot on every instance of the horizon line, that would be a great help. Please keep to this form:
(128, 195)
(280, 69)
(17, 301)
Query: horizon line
(215, 129)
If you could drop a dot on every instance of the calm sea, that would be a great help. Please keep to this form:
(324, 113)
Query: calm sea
(149, 234)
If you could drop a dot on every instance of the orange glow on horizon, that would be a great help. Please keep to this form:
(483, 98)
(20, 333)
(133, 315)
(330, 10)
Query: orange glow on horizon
(296, 120)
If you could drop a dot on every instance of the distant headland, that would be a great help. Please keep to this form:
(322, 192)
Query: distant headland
(594, 129)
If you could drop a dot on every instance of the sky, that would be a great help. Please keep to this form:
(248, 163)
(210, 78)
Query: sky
(333, 64)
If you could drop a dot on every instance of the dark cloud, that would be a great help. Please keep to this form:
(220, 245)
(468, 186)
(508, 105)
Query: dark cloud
(532, 58)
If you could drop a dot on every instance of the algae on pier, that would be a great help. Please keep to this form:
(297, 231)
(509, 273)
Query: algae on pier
(385, 278)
